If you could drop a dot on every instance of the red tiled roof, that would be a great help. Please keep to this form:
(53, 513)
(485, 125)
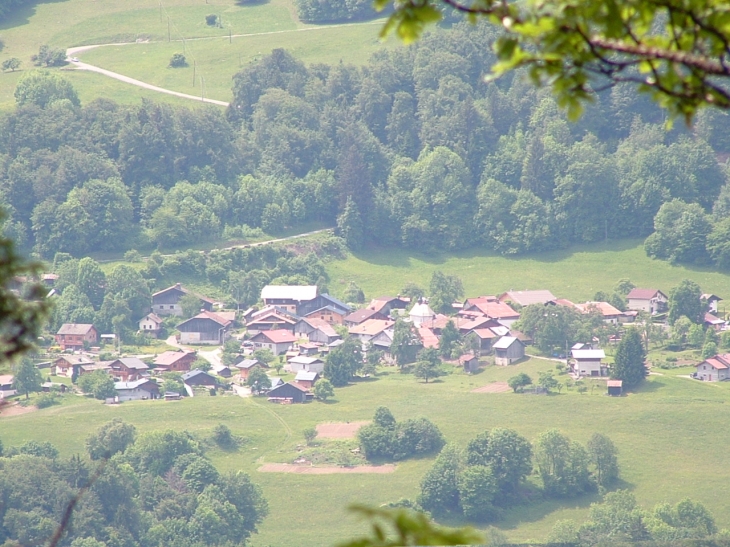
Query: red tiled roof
(279, 336)
(643, 294)
(429, 339)
(719, 362)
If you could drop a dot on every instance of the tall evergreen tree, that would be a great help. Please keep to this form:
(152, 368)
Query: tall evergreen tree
(629, 361)
(349, 225)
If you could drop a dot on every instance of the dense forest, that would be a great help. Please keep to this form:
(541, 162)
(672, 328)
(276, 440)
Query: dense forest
(413, 149)
(157, 489)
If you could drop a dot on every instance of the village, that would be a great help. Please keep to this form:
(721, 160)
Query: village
(294, 328)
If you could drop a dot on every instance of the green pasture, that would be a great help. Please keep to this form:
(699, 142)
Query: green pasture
(255, 28)
(576, 273)
(662, 432)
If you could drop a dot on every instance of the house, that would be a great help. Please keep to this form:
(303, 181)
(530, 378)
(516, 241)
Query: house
(288, 393)
(306, 378)
(128, 368)
(649, 300)
(69, 365)
(247, 365)
(615, 387)
(308, 349)
(714, 322)
(714, 369)
(223, 371)
(174, 361)
(93, 367)
(712, 300)
(316, 330)
(588, 362)
(205, 328)
(151, 324)
(271, 318)
(137, 390)
(358, 317)
(386, 304)
(382, 342)
(370, 328)
(288, 297)
(73, 335)
(325, 307)
(499, 311)
(167, 301)
(421, 312)
(486, 336)
(330, 314)
(310, 364)
(276, 341)
(609, 313)
(507, 350)
(198, 377)
(526, 298)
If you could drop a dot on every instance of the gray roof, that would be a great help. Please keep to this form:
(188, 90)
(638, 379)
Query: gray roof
(504, 342)
(193, 373)
(120, 386)
(75, 328)
(306, 376)
(301, 293)
(133, 362)
(248, 363)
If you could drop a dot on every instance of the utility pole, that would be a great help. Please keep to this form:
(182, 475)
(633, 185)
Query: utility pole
(194, 66)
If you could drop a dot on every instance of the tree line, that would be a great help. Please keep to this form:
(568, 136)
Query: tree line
(153, 489)
(412, 149)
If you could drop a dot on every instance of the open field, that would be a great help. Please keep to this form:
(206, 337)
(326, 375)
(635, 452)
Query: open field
(575, 273)
(331, 470)
(661, 432)
(267, 24)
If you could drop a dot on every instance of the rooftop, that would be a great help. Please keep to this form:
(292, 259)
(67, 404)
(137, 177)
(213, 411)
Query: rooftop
(643, 294)
(588, 354)
(301, 293)
(79, 329)
(504, 342)
(525, 298)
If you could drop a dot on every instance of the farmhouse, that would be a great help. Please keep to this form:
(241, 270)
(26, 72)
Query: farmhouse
(712, 300)
(167, 301)
(609, 313)
(288, 297)
(198, 377)
(588, 362)
(128, 368)
(325, 307)
(713, 322)
(270, 318)
(205, 328)
(526, 298)
(386, 304)
(370, 328)
(247, 365)
(649, 300)
(69, 365)
(316, 330)
(276, 341)
(486, 336)
(306, 379)
(507, 350)
(714, 369)
(174, 361)
(137, 390)
(310, 364)
(150, 324)
(358, 317)
(73, 335)
(288, 393)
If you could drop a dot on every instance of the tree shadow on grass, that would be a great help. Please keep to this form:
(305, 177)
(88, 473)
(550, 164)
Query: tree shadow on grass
(250, 3)
(21, 15)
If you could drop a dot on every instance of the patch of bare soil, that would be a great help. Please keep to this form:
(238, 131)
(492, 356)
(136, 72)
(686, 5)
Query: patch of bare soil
(494, 387)
(15, 409)
(339, 430)
(330, 470)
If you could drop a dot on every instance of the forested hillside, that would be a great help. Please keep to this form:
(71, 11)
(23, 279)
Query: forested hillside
(413, 149)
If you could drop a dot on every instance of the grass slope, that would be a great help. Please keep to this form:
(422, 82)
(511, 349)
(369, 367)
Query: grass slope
(575, 273)
(662, 433)
(67, 23)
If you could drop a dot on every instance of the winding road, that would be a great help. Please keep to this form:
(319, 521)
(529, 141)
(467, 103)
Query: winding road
(77, 64)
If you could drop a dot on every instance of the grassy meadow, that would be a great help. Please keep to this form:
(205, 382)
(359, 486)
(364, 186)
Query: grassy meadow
(257, 27)
(662, 432)
(576, 273)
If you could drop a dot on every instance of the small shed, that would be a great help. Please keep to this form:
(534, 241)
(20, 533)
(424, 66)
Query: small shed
(198, 377)
(615, 388)
(172, 396)
(470, 362)
(507, 350)
(306, 379)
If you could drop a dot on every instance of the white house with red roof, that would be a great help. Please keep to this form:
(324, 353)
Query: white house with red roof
(714, 369)
(277, 341)
(648, 300)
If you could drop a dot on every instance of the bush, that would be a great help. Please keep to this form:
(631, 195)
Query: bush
(178, 61)
(387, 439)
(46, 400)
(211, 20)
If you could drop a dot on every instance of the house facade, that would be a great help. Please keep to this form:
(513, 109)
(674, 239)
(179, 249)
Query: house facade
(649, 300)
(589, 362)
(309, 364)
(288, 393)
(128, 369)
(136, 390)
(714, 369)
(205, 328)
(174, 361)
(150, 324)
(276, 341)
(69, 365)
(306, 379)
(73, 335)
(167, 301)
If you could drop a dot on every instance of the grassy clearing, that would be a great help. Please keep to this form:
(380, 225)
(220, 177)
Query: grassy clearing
(576, 273)
(67, 23)
(661, 432)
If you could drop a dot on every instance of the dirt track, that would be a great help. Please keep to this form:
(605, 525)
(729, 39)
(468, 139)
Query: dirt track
(340, 430)
(15, 410)
(308, 470)
(495, 387)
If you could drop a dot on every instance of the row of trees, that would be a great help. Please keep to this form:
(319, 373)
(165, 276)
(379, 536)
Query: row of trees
(154, 489)
(488, 475)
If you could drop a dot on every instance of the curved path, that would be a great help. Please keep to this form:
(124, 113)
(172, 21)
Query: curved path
(80, 65)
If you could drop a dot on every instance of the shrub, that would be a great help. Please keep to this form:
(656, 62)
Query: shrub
(46, 400)
(211, 20)
(178, 61)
